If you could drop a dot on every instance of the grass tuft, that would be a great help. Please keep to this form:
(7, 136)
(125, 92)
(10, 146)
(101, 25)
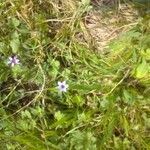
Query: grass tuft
(81, 79)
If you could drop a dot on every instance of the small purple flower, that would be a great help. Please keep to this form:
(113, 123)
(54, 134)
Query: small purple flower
(62, 86)
(13, 61)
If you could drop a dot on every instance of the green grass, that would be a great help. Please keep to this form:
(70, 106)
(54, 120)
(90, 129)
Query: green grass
(107, 104)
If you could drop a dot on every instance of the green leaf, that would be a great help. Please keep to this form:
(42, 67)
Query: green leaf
(78, 100)
(2, 47)
(16, 71)
(126, 125)
(30, 141)
(127, 96)
(58, 115)
(55, 68)
(15, 45)
(84, 88)
(15, 42)
(142, 69)
(15, 22)
(146, 54)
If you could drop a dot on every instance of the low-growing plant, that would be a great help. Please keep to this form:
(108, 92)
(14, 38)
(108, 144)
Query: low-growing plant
(56, 92)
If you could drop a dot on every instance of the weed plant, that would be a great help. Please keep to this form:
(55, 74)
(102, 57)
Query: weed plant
(57, 92)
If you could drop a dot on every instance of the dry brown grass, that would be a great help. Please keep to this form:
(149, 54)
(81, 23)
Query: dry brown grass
(104, 27)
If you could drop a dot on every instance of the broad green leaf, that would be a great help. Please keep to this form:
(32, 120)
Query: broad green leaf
(142, 69)
(15, 22)
(15, 45)
(55, 68)
(146, 54)
(78, 100)
(15, 42)
(58, 115)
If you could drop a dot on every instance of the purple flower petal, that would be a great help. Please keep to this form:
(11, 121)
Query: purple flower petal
(62, 86)
(13, 61)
